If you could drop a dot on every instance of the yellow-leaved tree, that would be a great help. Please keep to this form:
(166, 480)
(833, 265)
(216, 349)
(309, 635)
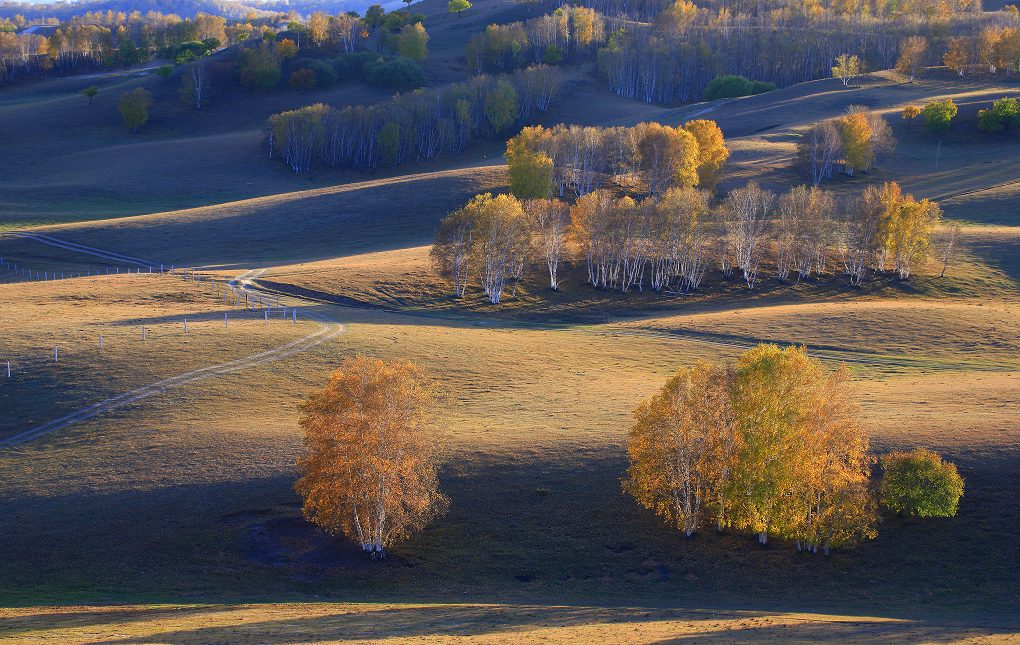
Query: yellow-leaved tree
(712, 151)
(772, 446)
(681, 446)
(666, 156)
(369, 468)
(858, 150)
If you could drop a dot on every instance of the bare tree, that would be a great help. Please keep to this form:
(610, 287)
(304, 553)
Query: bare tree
(749, 210)
(551, 220)
(946, 243)
(819, 148)
(862, 216)
(451, 254)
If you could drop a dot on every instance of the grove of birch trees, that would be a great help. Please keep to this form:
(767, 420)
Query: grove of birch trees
(669, 242)
(420, 125)
(568, 33)
(649, 157)
(674, 58)
(851, 143)
(772, 446)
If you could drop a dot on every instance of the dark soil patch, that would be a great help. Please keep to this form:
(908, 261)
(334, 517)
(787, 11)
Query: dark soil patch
(293, 542)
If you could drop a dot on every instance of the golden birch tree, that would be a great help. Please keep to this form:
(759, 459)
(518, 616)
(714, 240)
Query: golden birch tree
(369, 466)
(681, 447)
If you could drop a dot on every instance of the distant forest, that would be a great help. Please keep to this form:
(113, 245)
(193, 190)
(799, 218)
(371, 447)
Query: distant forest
(63, 11)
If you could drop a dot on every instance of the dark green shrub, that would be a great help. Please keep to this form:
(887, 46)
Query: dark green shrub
(920, 483)
(397, 74)
(731, 86)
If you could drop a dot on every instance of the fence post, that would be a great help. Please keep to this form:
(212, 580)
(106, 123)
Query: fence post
(56, 356)
(225, 324)
(8, 369)
(293, 312)
(100, 342)
(185, 325)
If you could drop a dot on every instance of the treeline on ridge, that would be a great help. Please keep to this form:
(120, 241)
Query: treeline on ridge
(417, 126)
(567, 33)
(649, 10)
(674, 59)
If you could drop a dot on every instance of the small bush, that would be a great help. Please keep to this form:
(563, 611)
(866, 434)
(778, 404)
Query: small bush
(323, 71)
(351, 67)
(302, 80)
(938, 115)
(1005, 114)
(731, 86)
(920, 483)
(397, 74)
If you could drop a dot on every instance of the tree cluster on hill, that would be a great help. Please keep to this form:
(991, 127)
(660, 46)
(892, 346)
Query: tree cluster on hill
(993, 50)
(94, 40)
(567, 33)
(396, 32)
(98, 40)
(421, 125)
(650, 156)
(650, 10)
(853, 142)
(55, 12)
(674, 59)
(774, 446)
(669, 240)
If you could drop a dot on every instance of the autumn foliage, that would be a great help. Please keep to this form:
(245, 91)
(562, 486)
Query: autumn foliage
(369, 469)
(772, 446)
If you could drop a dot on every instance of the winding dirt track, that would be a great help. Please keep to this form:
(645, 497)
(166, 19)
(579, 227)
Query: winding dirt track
(328, 329)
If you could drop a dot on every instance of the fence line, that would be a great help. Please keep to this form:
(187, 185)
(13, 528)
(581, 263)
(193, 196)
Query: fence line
(247, 308)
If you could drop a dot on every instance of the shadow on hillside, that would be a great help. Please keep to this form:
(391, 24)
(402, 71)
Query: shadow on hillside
(506, 620)
(547, 523)
(1000, 253)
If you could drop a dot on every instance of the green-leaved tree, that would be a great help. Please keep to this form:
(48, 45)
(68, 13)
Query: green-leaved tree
(938, 115)
(457, 6)
(920, 483)
(134, 108)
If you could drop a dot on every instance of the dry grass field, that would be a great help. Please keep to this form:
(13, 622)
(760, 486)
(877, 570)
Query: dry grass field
(174, 519)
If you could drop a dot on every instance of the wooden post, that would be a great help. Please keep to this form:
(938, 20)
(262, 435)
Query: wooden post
(225, 324)
(185, 325)
(56, 355)
(267, 317)
(293, 312)
(8, 369)
(100, 342)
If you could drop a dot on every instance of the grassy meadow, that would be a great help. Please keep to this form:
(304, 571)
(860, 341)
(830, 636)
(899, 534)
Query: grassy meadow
(174, 519)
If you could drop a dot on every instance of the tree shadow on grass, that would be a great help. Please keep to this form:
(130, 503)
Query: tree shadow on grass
(539, 525)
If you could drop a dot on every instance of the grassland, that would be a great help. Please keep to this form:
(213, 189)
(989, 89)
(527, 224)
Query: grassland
(174, 519)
